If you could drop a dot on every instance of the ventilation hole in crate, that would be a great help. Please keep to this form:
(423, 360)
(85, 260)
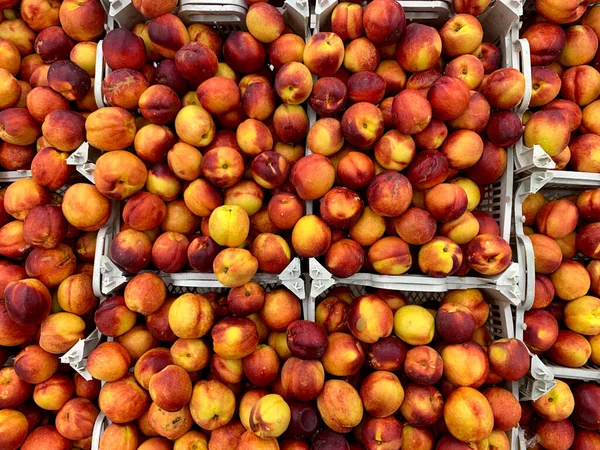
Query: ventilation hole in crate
(180, 290)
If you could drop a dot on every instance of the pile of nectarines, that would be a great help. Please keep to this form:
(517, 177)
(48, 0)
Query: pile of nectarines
(46, 265)
(564, 118)
(239, 369)
(44, 404)
(47, 65)
(567, 417)
(564, 233)
(194, 357)
(213, 147)
(413, 123)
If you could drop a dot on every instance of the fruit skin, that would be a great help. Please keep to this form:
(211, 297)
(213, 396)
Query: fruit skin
(509, 358)
(109, 361)
(28, 301)
(584, 415)
(580, 315)
(306, 340)
(468, 415)
(557, 404)
(40, 437)
(124, 400)
(414, 325)
(555, 435)
(76, 418)
(506, 408)
(340, 406)
(324, 54)
(161, 383)
(384, 22)
(489, 254)
(270, 416)
(547, 40)
(303, 379)
(422, 406)
(419, 49)
(382, 431)
(13, 429)
(440, 257)
(212, 404)
(381, 393)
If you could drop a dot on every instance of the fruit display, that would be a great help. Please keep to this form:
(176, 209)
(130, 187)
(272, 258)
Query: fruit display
(218, 179)
(207, 181)
(48, 219)
(46, 269)
(563, 121)
(158, 301)
(564, 418)
(251, 374)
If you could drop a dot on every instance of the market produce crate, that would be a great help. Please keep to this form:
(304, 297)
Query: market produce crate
(500, 321)
(175, 289)
(500, 23)
(553, 184)
(226, 17)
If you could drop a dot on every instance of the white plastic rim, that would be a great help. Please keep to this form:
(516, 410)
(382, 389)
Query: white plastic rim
(99, 426)
(14, 175)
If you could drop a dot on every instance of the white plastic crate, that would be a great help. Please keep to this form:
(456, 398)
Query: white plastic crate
(500, 23)
(553, 184)
(500, 325)
(99, 426)
(497, 200)
(500, 322)
(224, 16)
